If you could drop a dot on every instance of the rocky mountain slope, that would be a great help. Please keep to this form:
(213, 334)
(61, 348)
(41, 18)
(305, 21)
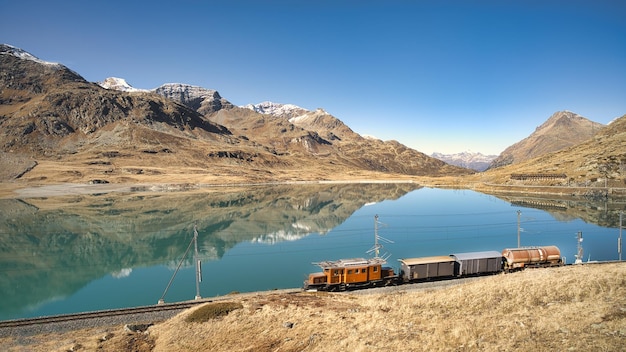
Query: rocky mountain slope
(200, 99)
(84, 131)
(563, 129)
(49, 110)
(287, 129)
(324, 136)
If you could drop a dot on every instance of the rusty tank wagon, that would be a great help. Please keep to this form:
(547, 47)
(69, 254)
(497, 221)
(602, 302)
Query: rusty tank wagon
(520, 258)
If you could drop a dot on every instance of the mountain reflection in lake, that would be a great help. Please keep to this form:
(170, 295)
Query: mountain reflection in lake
(90, 252)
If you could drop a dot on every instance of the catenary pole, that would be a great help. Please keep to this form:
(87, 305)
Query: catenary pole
(197, 260)
(519, 213)
(619, 240)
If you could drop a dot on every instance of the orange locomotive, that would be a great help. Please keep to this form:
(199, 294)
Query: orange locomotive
(345, 274)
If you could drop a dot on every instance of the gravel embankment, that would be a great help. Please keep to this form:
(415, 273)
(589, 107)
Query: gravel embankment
(65, 326)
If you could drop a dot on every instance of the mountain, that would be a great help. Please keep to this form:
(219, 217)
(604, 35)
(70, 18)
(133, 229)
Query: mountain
(563, 129)
(57, 126)
(319, 120)
(289, 129)
(200, 99)
(49, 110)
(197, 98)
(599, 161)
(471, 160)
(282, 110)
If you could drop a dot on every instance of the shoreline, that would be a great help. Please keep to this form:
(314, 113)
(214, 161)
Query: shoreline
(68, 189)
(24, 191)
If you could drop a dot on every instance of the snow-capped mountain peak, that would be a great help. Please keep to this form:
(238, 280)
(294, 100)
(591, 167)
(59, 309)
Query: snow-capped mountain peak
(277, 109)
(120, 84)
(471, 160)
(6, 49)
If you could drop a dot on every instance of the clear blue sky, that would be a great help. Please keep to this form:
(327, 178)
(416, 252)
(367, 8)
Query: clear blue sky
(445, 76)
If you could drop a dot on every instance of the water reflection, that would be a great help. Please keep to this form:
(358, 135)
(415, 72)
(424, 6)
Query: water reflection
(604, 212)
(52, 247)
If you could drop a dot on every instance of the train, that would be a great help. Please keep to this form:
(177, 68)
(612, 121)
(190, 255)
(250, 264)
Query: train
(356, 273)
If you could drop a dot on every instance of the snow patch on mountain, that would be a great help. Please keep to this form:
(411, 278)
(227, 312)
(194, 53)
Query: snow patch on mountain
(370, 137)
(307, 116)
(470, 160)
(120, 84)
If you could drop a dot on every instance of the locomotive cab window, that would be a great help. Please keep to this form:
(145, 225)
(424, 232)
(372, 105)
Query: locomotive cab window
(363, 271)
(375, 269)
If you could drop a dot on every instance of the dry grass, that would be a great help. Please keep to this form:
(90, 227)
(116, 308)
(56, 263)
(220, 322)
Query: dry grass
(212, 311)
(574, 308)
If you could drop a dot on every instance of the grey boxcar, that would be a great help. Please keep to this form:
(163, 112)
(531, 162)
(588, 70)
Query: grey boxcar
(477, 263)
(426, 267)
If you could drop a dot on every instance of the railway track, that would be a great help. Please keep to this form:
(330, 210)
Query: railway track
(68, 322)
(99, 314)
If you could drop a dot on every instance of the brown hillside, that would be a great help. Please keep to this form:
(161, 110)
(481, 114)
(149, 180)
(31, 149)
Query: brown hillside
(326, 125)
(322, 136)
(563, 129)
(57, 127)
(599, 161)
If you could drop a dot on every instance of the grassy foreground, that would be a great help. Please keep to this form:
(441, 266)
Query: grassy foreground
(574, 308)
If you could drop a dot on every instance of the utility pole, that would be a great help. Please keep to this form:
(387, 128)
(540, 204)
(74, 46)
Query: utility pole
(619, 240)
(579, 255)
(519, 213)
(376, 245)
(197, 260)
(193, 240)
(377, 239)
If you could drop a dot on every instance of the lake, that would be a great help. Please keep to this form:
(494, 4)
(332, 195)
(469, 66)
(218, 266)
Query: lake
(81, 253)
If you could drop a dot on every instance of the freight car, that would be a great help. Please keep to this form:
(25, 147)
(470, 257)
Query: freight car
(478, 263)
(362, 273)
(454, 265)
(520, 258)
(414, 269)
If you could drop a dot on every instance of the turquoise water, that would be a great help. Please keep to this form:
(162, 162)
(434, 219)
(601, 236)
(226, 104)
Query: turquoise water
(110, 251)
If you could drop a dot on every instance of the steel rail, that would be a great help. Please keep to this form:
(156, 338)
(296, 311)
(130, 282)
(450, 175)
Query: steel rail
(98, 314)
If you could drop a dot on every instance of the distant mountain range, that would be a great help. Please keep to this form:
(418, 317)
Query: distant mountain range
(471, 160)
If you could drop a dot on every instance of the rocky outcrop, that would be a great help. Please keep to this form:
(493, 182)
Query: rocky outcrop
(202, 100)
